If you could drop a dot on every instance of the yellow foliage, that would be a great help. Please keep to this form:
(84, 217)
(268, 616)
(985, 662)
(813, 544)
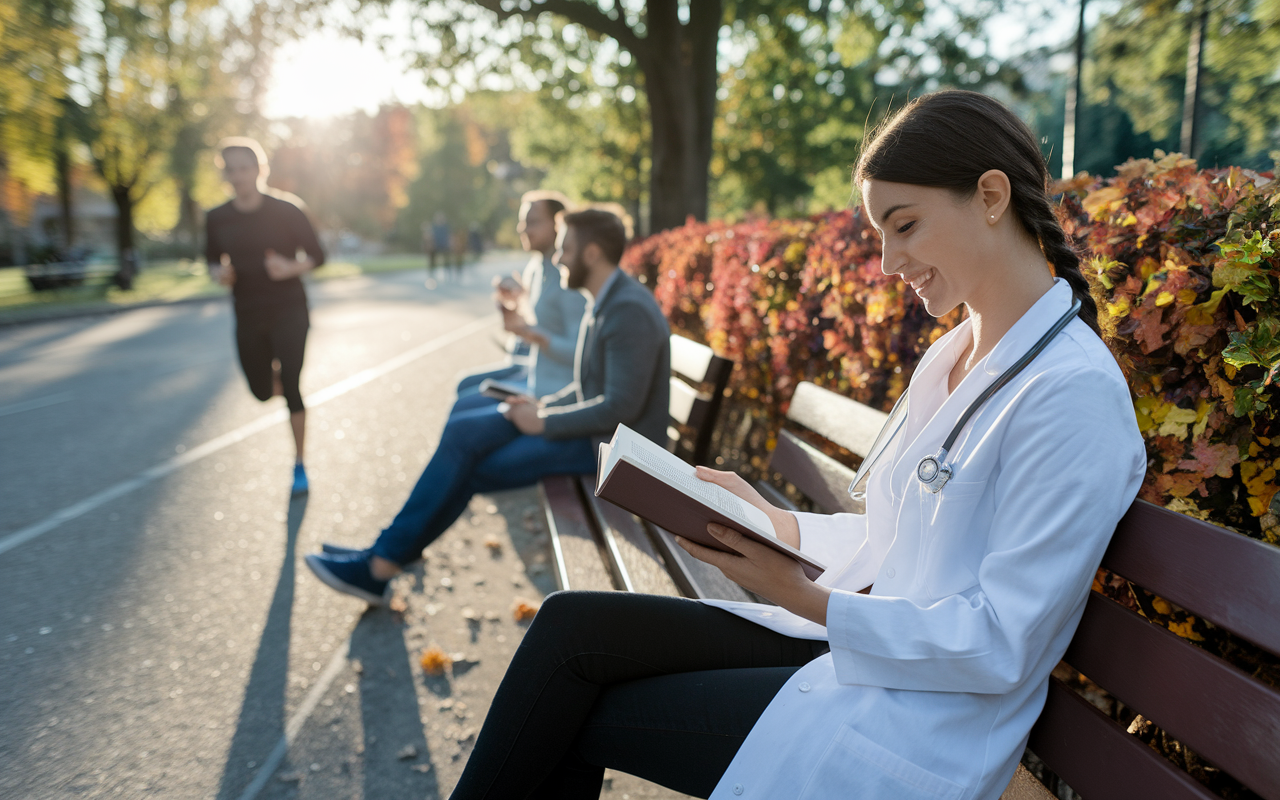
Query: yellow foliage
(1185, 630)
(1176, 421)
(1104, 201)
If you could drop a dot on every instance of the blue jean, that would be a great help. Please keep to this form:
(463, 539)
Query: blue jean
(479, 451)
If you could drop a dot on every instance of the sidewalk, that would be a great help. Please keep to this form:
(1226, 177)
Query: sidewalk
(177, 283)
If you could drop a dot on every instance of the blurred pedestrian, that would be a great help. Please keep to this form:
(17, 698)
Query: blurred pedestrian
(475, 242)
(429, 248)
(440, 240)
(253, 244)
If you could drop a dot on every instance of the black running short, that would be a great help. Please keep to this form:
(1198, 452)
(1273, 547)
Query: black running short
(273, 334)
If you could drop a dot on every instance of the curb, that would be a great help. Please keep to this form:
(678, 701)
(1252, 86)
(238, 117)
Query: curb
(58, 315)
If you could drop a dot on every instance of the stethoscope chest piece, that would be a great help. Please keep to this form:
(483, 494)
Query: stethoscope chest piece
(933, 473)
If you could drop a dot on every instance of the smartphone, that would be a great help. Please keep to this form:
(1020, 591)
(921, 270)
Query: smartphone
(499, 390)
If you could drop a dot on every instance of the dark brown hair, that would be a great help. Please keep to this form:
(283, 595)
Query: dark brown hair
(556, 202)
(604, 228)
(948, 139)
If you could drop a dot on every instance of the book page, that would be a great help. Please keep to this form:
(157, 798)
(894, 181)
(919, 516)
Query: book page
(684, 477)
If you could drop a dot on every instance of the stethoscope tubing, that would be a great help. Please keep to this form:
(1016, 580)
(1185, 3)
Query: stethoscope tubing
(933, 472)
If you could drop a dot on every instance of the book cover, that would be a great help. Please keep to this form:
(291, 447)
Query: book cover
(629, 482)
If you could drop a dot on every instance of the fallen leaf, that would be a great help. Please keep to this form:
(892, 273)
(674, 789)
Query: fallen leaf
(493, 543)
(435, 661)
(407, 752)
(523, 610)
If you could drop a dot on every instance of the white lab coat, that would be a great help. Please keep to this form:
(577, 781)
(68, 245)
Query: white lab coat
(935, 678)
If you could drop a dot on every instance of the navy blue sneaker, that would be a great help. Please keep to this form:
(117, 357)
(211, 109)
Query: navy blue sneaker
(339, 550)
(300, 484)
(350, 575)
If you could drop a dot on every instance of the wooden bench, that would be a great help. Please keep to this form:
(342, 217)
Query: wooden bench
(597, 545)
(1228, 718)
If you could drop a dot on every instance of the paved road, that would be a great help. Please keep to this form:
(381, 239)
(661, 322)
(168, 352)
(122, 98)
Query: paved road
(158, 638)
(156, 644)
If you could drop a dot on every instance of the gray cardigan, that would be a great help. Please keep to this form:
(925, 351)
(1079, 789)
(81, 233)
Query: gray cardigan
(557, 312)
(622, 369)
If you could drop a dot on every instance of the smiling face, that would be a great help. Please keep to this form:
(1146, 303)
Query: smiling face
(933, 239)
(537, 227)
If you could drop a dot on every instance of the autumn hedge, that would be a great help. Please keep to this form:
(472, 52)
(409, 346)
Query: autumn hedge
(1184, 263)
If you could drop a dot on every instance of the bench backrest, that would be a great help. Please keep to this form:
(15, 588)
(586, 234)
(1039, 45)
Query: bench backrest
(821, 478)
(1227, 717)
(698, 381)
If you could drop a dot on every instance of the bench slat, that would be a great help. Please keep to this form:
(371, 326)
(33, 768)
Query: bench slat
(823, 480)
(637, 564)
(696, 578)
(846, 422)
(1098, 759)
(577, 554)
(688, 406)
(775, 496)
(1229, 718)
(1212, 572)
(697, 362)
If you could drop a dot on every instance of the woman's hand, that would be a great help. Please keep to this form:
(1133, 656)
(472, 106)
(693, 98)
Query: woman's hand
(785, 526)
(763, 570)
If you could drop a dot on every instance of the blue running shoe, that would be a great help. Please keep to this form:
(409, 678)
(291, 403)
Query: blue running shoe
(339, 550)
(300, 484)
(350, 575)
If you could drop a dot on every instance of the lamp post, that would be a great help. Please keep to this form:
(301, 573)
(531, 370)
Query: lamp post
(1072, 117)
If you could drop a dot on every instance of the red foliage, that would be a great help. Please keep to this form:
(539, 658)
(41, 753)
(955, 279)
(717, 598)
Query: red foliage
(1183, 267)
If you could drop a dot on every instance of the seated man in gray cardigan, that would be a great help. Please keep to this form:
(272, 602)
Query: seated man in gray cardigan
(622, 370)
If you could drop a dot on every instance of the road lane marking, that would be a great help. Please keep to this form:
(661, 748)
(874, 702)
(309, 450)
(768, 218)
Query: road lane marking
(24, 535)
(36, 402)
(299, 718)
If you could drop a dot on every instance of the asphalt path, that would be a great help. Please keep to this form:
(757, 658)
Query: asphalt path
(158, 643)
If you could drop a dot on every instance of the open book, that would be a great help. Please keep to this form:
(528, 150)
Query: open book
(646, 480)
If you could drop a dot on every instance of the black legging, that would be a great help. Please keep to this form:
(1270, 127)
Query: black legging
(659, 687)
(273, 334)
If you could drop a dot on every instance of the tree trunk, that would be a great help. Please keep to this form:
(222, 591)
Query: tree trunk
(128, 256)
(62, 167)
(1195, 75)
(679, 66)
(188, 229)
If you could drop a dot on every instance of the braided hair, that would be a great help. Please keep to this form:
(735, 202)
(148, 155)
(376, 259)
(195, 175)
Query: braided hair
(948, 139)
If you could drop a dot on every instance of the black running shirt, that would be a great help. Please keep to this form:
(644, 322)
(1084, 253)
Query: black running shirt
(245, 237)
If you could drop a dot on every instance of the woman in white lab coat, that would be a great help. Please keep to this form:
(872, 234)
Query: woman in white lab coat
(925, 686)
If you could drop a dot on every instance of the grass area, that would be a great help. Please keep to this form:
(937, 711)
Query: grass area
(161, 281)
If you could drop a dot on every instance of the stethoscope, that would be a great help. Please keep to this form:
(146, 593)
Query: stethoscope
(933, 472)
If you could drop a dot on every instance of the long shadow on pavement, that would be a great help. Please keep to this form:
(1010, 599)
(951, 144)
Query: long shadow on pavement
(389, 712)
(262, 712)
